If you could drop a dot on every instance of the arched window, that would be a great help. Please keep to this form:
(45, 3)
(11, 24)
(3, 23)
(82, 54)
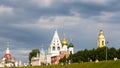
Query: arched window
(58, 48)
(53, 48)
(53, 43)
(102, 42)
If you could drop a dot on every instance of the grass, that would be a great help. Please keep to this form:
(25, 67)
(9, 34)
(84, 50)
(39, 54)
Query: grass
(102, 64)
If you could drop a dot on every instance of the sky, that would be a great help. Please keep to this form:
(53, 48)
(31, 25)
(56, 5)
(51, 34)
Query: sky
(29, 24)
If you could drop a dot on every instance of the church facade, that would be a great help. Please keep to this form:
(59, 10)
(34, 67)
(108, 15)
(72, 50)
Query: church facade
(58, 49)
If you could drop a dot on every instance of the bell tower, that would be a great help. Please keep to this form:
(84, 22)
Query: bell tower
(55, 46)
(101, 38)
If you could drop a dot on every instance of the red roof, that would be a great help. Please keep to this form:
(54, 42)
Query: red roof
(6, 55)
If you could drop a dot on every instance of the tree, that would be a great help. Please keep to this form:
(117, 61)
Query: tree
(63, 60)
(33, 53)
(101, 53)
(70, 58)
(118, 53)
(112, 53)
(92, 54)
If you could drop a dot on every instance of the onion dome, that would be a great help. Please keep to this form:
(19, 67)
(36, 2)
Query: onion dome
(70, 45)
(6, 55)
(64, 41)
(101, 35)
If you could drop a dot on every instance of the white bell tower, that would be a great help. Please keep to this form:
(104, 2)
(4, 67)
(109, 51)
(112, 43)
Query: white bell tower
(55, 46)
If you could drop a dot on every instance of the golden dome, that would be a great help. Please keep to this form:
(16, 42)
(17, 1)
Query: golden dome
(64, 41)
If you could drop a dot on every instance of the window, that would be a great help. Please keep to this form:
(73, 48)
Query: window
(102, 42)
(53, 43)
(53, 48)
(58, 48)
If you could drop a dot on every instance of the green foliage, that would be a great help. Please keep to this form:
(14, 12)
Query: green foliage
(112, 52)
(118, 53)
(33, 53)
(63, 60)
(96, 54)
(70, 56)
(100, 53)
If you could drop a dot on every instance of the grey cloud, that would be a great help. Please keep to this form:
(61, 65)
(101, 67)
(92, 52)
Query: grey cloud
(30, 11)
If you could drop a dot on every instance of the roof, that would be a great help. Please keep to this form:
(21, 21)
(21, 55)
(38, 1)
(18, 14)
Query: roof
(6, 55)
(70, 45)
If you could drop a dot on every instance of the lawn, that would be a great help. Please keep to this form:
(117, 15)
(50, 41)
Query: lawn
(102, 64)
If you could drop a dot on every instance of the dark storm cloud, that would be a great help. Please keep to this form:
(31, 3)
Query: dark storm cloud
(25, 10)
(27, 36)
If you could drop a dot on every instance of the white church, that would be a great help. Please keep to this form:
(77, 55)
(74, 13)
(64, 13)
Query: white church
(57, 49)
(8, 60)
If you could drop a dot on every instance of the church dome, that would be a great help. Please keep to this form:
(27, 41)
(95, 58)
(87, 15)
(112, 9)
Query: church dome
(6, 55)
(70, 45)
(101, 35)
(64, 41)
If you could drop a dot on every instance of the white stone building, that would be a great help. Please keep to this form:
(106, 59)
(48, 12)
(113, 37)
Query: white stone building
(40, 59)
(57, 46)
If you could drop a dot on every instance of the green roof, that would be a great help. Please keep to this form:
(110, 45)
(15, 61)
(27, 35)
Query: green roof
(70, 45)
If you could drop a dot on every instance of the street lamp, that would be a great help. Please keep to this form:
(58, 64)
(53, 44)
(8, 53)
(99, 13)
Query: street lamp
(106, 50)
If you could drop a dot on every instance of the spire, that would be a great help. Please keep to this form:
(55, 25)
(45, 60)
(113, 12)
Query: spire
(56, 34)
(70, 39)
(55, 37)
(42, 49)
(101, 26)
(37, 55)
(55, 45)
(7, 50)
(101, 31)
